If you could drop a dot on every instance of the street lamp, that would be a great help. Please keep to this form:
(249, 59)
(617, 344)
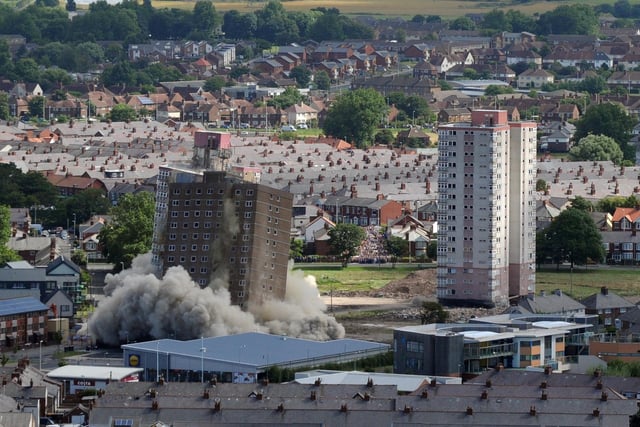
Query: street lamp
(203, 350)
(40, 358)
(74, 226)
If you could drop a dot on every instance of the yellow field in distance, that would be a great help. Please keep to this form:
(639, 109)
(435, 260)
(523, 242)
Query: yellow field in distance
(406, 8)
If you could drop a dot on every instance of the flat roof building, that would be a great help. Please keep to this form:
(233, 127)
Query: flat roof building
(467, 349)
(76, 378)
(239, 358)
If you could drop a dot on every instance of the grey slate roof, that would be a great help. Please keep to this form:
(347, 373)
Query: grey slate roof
(606, 299)
(556, 302)
(21, 305)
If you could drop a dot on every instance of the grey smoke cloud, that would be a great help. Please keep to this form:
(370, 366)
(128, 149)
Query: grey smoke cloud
(139, 305)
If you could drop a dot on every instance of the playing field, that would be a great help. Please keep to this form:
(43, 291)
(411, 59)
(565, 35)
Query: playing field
(405, 8)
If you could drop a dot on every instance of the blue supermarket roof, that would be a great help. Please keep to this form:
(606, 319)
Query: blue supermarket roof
(258, 349)
(20, 305)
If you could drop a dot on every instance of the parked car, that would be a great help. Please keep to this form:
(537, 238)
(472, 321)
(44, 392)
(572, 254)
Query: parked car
(288, 128)
(303, 126)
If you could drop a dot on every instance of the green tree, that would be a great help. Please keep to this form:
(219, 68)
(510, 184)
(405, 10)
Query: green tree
(462, 23)
(582, 204)
(36, 106)
(572, 236)
(205, 20)
(130, 231)
(433, 312)
(214, 84)
(296, 248)
(610, 203)
(355, 116)
(239, 26)
(610, 120)
(593, 84)
(18, 189)
(79, 257)
(597, 148)
(4, 106)
(418, 19)
(286, 99)
(569, 19)
(322, 80)
(302, 75)
(6, 62)
(345, 241)
(86, 203)
(6, 254)
(493, 90)
(397, 248)
(541, 185)
(122, 113)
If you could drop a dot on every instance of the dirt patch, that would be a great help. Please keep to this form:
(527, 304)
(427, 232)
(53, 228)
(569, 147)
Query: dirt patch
(372, 315)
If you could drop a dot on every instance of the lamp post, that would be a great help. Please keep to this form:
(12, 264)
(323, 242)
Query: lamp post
(40, 356)
(203, 350)
(74, 226)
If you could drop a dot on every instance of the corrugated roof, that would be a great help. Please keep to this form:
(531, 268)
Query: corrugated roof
(257, 349)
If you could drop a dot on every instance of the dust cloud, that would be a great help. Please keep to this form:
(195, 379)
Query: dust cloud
(139, 306)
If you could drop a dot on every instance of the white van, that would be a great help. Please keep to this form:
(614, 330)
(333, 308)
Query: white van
(288, 128)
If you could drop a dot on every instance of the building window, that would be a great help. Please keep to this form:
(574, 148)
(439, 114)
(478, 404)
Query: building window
(244, 260)
(248, 204)
(415, 346)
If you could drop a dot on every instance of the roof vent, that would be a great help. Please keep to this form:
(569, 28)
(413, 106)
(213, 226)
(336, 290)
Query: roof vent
(469, 410)
(484, 395)
(543, 396)
(596, 412)
(343, 407)
(604, 396)
(532, 410)
(543, 384)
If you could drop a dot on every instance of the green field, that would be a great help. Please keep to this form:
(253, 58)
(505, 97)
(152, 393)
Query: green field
(407, 8)
(580, 283)
(355, 278)
(584, 282)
